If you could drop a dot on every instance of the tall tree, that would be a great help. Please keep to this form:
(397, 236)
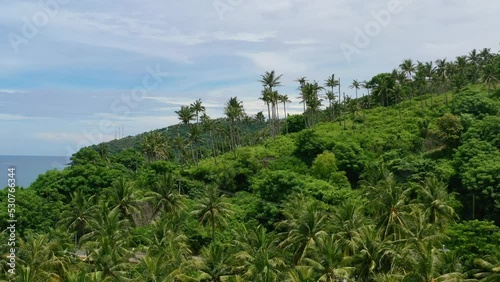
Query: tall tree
(155, 146)
(270, 80)
(197, 107)
(284, 99)
(185, 114)
(234, 112)
(213, 209)
(355, 85)
(332, 83)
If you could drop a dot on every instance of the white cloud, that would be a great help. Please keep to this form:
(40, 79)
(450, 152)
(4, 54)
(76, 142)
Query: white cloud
(245, 36)
(12, 91)
(102, 48)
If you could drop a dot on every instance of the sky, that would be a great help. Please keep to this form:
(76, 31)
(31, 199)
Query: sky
(74, 73)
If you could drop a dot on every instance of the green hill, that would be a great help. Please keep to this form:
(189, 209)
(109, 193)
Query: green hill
(398, 185)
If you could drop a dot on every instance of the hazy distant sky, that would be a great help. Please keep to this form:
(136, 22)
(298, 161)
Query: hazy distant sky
(64, 81)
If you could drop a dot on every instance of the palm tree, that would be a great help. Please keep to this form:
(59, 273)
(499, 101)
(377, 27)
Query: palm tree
(155, 146)
(234, 112)
(366, 85)
(76, 218)
(390, 203)
(197, 108)
(332, 83)
(425, 263)
(374, 255)
(489, 77)
(38, 258)
(106, 245)
(489, 268)
(209, 126)
(330, 96)
(266, 97)
(303, 230)
(302, 273)
(165, 195)
(302, 81)
(185, 114)
(356, 85)
(123, 199)
(347, 221)
(312, 101)
(270, 80)
(195, 140)
(473, 58)
(284, 99)
(168, 250)
(433, 195)
(182, 146)
(215, 263)
(328, 260)
(408, 67)
(258, 258)
(213, 209)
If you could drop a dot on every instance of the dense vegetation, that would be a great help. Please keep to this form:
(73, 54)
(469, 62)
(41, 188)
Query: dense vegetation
(399, 183)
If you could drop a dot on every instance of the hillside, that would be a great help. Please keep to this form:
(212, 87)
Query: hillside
(399, 185)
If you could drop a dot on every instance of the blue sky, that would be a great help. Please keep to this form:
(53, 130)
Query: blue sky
(69, 69)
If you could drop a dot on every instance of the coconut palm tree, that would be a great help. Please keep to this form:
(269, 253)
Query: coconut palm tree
(437, 203)
(209, 126)
(215, 263)
(313, 101)
(374, 255)
(284, 99)
(390, 203)
(234, 112)
(332, 83)
(355, 85)
(366, 85)
(266, 97)
(258, 258)
(328, 260)
(185, 114)
(302, 273)
(165, 195)
(197, 107)
(302, 81)
(38, 258)
(408, 67)
(195, 140)
(425, 263)
(155, 146)
(330, 96)
(106, 245)
(123, 198)
(347, 221)
(76, 218)
(270, 80)
(489, 268)
(303, 230)
(489, 77)
(212, 209)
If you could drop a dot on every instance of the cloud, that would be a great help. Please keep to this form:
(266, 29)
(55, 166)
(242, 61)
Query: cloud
(15, 117)
(246, 36)
(12, 91)
(301, 42)
(73, 138)
(93, 53)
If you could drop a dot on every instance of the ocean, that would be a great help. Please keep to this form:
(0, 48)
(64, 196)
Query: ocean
(28, 168)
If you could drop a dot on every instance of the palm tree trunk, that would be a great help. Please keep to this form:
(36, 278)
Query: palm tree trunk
(269, 119)
(286, 117)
